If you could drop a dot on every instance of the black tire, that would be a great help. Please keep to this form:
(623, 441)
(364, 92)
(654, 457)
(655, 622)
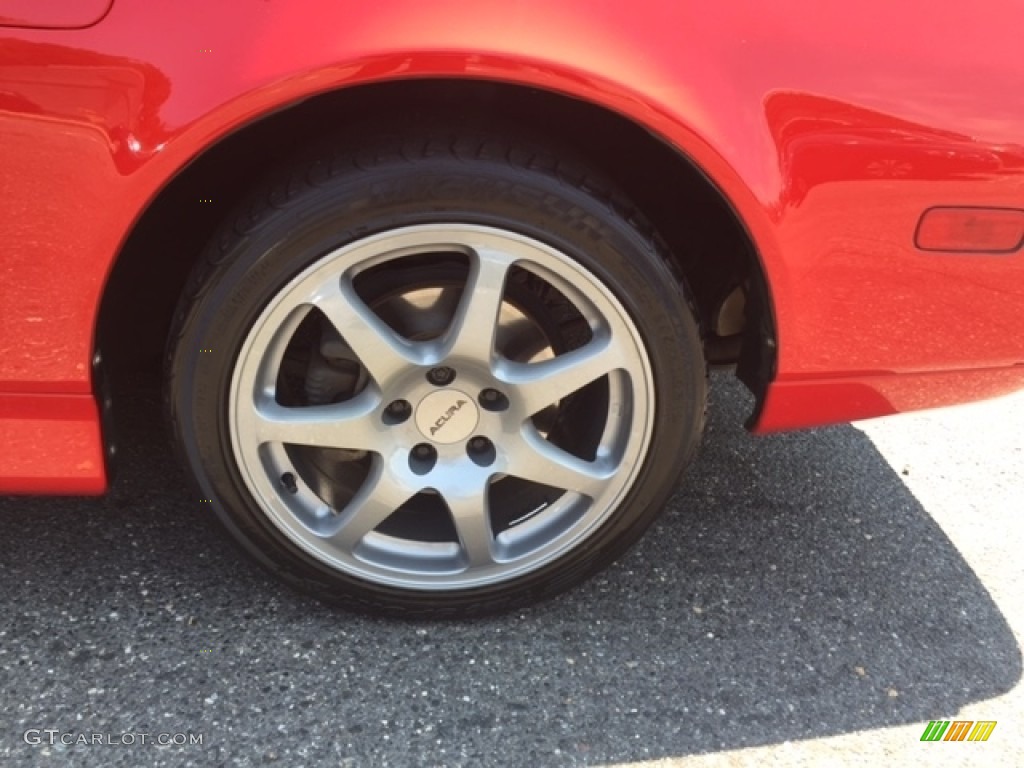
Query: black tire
(335, 197)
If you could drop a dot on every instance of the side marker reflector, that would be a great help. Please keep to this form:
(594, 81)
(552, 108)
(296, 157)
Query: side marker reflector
(971, 230)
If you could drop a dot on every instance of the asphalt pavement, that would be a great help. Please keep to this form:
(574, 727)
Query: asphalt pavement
(807, 599)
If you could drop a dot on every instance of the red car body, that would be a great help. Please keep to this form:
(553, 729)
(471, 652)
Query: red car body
(829, 129)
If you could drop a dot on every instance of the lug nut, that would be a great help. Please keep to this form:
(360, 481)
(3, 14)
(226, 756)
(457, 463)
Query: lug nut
(422, 459)
(493, 400)
(441, 376)
(397, 412)
(481, 451)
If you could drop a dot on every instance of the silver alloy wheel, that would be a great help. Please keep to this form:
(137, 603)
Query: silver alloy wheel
(451, 443)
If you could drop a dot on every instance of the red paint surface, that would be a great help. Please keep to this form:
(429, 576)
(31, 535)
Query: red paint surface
(54, 14)
(829, 129)
(50, 444)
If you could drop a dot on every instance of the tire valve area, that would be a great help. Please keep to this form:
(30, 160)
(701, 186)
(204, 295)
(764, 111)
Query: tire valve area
(288, 483)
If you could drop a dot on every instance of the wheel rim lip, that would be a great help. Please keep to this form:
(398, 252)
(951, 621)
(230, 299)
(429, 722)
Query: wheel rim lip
(353, 258)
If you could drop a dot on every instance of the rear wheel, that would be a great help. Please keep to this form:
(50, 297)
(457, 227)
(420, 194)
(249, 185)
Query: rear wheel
(443, 382)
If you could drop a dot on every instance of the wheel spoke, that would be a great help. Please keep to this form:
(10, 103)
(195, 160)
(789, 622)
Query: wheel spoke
(475, 323)
(533, 458)
(538, 385)
(373, 503)
(380, 349)
(471, 515)
(351, 424)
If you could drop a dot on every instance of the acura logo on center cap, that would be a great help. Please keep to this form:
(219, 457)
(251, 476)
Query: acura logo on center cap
(447, 416)
(439, 424)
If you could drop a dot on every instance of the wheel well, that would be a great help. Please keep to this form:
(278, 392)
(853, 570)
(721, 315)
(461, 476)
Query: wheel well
(711, 247)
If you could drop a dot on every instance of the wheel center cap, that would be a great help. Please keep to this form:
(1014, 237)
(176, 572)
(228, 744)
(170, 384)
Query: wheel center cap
(447, 416)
